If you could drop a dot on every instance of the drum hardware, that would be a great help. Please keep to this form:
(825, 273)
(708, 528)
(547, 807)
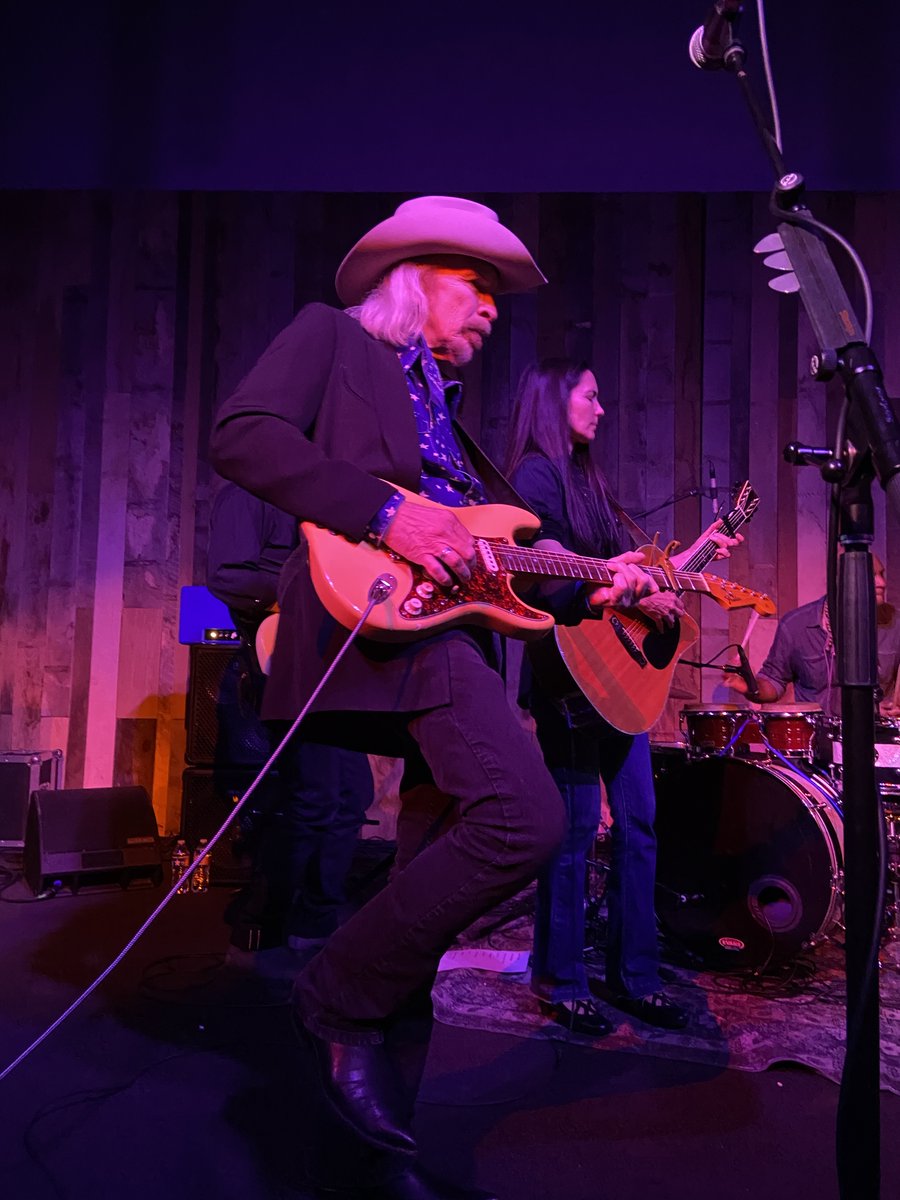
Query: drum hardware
(829, 755)
(596, 880)
(681, 899)
(892, 915)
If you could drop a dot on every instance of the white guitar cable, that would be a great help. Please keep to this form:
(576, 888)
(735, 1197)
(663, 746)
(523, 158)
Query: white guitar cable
(382, 587)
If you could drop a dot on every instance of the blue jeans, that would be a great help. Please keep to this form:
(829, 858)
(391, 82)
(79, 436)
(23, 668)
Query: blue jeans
(329, 791)
(326, 791)
(576, 758)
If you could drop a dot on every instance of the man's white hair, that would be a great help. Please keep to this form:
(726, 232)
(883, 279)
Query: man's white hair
(396, 309)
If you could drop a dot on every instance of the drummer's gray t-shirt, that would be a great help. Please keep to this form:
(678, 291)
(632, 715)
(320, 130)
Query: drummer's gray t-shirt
(799, 656)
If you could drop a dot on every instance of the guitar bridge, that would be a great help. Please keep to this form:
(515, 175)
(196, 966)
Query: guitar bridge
(627, 641)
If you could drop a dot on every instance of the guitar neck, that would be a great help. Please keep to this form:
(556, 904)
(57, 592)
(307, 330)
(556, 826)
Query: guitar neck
(705, 553)
(555, 563)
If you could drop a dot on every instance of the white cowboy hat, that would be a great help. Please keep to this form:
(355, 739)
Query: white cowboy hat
(437, 225)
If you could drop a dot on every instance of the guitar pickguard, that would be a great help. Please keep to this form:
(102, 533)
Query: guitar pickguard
(631, 646)
(425, 598)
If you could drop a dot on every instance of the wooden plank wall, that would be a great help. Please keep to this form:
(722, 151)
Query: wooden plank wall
(126, 318)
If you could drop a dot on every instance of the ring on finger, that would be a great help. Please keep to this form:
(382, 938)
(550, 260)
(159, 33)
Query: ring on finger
(443, 553)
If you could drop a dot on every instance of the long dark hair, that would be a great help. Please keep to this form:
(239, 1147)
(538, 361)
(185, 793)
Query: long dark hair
(540, 425)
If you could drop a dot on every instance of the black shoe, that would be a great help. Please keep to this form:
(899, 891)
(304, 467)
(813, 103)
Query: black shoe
(415, 1183)
(362, 1088)
(578, 1016)
(656, 1009)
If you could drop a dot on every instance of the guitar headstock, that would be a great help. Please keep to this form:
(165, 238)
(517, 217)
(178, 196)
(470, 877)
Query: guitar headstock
(745, 499)
(744, 503)
(734, 595)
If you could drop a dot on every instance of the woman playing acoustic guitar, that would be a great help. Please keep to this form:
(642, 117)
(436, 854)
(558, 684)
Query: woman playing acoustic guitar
(555, 421)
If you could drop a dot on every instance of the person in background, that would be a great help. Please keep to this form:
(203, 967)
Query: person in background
(343, 410)
(802, 654)
(305, 838)
(554, 423)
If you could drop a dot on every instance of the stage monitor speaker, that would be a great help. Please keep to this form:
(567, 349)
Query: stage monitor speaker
(90, 837)
(222, 712)
(208, 799)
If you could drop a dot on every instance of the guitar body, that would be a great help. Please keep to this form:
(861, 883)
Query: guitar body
(622, 664)
(343, 572)
(265, 642)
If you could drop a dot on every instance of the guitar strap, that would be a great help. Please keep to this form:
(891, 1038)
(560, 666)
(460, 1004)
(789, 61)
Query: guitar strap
(501, 490)
(496, 482)
(631, 525)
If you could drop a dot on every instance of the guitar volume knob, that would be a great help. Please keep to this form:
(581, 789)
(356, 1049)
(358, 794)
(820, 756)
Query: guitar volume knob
(425, 590)
(412, 607)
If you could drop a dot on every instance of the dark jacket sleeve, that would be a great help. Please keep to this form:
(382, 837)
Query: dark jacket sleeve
(263, 436)
(249, 543)
(539, 484)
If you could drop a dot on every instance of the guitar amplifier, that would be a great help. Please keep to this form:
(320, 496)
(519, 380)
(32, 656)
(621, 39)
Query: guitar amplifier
(222, 712)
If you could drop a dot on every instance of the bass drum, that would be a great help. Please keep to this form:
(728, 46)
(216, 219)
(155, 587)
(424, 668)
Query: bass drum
(750, 856)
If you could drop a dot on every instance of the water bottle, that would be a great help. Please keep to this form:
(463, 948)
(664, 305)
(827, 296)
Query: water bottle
(200, 877)
(181, 860)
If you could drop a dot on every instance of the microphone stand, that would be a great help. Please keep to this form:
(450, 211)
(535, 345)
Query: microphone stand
(874, 430)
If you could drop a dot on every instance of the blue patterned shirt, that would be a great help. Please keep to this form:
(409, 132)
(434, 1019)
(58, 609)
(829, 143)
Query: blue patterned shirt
(435, 401)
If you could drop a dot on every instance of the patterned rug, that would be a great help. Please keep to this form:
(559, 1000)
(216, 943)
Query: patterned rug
(737, 1020)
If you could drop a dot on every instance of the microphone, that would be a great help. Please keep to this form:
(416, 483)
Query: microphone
(746, 673)
(709, 44)
(713, 489)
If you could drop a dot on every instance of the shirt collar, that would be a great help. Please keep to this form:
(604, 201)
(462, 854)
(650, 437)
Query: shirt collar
(818, 614)
(412, 353)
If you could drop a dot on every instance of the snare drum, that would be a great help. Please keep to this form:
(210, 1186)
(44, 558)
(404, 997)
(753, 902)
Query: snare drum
(791, 728)
(717, 729)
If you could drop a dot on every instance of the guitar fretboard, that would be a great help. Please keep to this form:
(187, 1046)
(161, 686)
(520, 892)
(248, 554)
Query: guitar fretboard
(707, 552)
(527, 561)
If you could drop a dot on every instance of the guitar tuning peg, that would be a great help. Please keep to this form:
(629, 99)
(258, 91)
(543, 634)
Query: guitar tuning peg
(785, 283)
(768, 244)
(779, 261)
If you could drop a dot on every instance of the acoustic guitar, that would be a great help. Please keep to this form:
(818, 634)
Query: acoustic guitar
(622, 666)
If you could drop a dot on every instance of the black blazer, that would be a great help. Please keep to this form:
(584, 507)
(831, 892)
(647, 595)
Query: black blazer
(323, 414)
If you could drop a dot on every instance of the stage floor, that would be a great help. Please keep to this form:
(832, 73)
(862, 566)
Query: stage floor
(178, 1079)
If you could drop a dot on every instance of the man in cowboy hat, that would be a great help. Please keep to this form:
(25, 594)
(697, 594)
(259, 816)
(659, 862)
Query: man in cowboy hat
(339, 403)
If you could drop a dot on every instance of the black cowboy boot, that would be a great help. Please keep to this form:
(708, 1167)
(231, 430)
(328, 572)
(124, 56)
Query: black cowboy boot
(363, 1089)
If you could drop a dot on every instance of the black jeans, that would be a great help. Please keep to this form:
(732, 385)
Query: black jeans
(511, 820)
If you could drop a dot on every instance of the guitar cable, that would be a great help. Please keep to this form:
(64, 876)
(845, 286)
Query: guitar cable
(381, 588)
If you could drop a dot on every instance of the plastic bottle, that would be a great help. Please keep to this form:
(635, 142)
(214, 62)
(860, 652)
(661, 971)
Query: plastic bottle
(181, 860)
(200, 877)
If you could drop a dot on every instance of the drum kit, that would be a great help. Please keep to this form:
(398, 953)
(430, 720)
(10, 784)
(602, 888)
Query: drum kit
(750, 832)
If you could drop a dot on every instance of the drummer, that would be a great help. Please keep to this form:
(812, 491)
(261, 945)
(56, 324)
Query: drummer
(802, 653)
